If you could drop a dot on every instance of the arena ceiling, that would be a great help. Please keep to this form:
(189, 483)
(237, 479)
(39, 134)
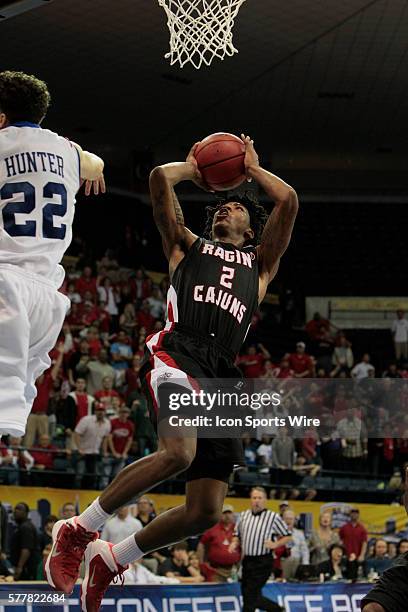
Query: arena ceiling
(318, 84)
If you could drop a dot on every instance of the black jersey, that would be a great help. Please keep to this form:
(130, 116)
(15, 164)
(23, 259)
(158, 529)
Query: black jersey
(214, 290)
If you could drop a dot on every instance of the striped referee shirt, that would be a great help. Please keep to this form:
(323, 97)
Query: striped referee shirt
(254, 528)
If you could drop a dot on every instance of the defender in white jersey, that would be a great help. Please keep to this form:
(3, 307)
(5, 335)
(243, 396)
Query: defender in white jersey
(40, 174)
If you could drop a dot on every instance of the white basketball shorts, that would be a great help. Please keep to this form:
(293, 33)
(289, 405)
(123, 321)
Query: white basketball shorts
(32, 313)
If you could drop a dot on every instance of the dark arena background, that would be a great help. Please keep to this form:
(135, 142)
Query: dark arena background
(322, 89)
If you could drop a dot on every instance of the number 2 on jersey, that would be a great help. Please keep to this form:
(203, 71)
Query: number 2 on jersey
(27, 205)
(227, 276)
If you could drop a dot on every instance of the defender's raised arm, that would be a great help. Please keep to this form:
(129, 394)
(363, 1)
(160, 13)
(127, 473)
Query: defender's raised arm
(91, 171)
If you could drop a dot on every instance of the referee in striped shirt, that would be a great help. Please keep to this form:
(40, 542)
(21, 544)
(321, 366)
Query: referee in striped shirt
(255, 533)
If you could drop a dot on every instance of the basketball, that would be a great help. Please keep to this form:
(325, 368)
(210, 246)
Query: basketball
(220, 159)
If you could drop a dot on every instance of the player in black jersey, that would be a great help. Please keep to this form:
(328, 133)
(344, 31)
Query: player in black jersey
(216, 285)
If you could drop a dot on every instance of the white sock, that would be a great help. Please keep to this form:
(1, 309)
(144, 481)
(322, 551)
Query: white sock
(127, 551)
(93, 517)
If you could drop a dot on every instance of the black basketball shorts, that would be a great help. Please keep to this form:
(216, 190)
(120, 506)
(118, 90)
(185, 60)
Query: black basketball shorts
(180, 354)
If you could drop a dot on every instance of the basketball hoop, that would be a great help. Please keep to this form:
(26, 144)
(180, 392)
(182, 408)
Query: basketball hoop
(200, 30)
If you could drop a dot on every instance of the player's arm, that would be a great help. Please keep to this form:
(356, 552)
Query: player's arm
(167, 212)
(278, 228)
(91, 171)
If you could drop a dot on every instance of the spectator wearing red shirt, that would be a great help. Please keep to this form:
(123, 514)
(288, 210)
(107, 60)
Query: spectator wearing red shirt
(37, 422)
(107, 393)
(132, 376)
(309, 445)
(145, 318)
(74, 318)
(313, 327)
(252, 364)
(354, 536)
(140, 286)
(119, 442)
(79, 403)
(283, 370)
(268, 370)
(43, 455)
(86, 282)
(104, 318)
(94, 342)
(217, 560)
(300, 362)
(90, 314)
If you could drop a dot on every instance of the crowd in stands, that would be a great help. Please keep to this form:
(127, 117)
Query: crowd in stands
(90, 416)
(327, 552)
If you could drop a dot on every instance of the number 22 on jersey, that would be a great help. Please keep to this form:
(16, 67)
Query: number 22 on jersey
(13, 221)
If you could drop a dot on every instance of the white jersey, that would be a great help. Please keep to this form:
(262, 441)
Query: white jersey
(39, 178)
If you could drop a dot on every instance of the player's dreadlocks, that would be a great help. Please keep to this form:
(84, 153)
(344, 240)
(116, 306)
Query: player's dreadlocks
(257, 213)
(23, 97)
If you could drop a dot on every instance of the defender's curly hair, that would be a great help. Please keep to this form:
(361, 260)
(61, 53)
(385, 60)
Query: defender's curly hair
(23, 97)
(257, 213)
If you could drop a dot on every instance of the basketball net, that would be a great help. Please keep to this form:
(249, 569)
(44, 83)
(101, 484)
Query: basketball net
(200, 30)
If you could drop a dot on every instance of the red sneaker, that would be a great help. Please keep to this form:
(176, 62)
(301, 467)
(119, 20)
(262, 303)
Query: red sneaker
(69, 544)
(100, 569)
